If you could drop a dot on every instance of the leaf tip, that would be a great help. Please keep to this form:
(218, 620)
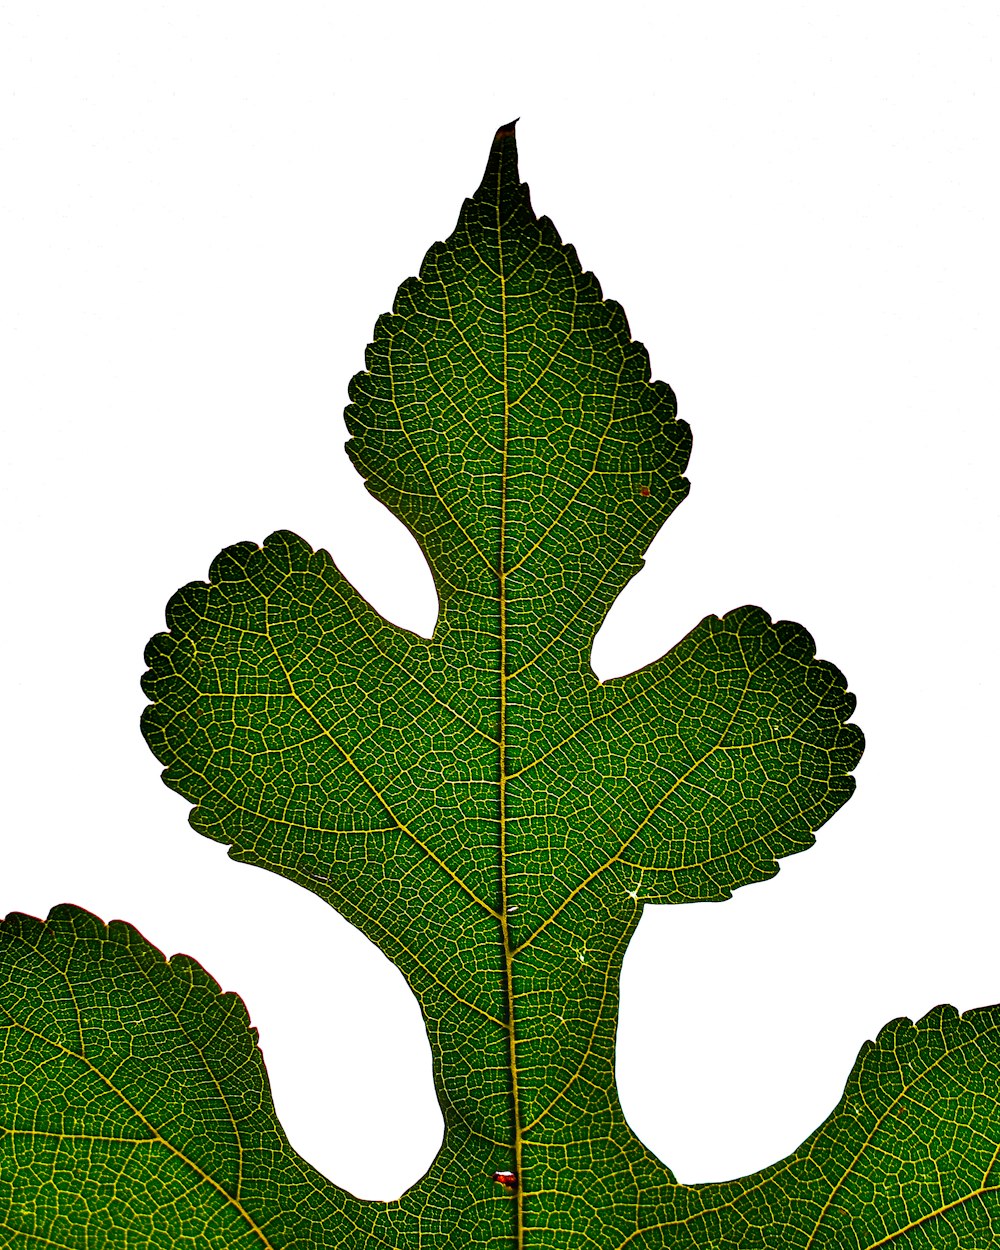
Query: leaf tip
(501, 177)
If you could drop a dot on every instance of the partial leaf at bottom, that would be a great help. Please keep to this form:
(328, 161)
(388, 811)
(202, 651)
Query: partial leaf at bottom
(134, 1111)
(909, 1159)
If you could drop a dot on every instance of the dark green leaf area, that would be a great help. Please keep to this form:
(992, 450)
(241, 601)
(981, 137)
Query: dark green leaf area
(134, 1109)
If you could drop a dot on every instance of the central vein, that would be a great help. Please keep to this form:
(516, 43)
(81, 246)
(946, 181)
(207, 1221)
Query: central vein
(508, 946)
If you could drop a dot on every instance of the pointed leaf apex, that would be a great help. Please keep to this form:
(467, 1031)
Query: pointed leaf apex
(501, 174)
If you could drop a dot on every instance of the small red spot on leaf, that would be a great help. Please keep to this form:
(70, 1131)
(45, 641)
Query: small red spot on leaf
(507, 1179)
(644, 491)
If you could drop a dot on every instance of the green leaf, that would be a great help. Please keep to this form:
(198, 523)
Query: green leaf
(492, 816)
(136, 1105)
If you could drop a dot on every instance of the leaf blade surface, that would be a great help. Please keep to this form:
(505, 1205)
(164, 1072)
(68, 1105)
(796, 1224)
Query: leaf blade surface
(526, 809)
(478, 803)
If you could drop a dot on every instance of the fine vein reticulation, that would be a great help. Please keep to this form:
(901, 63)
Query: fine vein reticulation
(493, 817)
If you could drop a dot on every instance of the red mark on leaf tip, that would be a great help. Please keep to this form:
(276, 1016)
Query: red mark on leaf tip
(644, 491)
(507, 1179)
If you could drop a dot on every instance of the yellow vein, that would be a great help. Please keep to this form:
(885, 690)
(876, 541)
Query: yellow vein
(544, 369)
(156, 1135)
(407, 674)
(502, 586)
(430, 478)
(943, 1210)
(65, 1137)
(657, 806)
(234, 1008)
(674, 668)
(461, 334)
(345, 904)
(907, 1086)
(349, 759)
(574, 497)
(610, 969)
(18, 937)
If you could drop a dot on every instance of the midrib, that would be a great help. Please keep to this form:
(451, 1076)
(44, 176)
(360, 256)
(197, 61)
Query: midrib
(502, 623)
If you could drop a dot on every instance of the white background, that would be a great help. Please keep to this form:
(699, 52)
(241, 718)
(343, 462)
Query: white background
(206, 206)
